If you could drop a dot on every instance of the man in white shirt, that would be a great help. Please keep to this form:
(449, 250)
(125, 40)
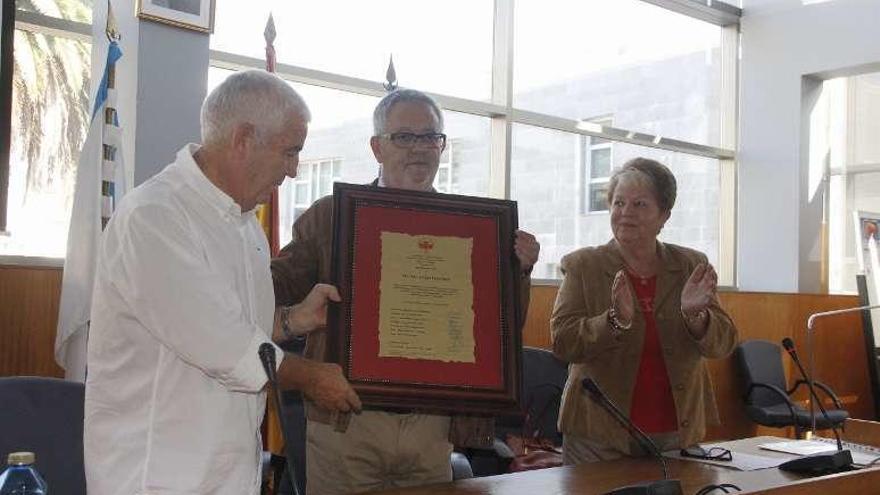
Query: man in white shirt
(183, 301)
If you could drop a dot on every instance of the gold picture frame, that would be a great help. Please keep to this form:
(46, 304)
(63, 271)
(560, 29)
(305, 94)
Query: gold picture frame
(197, 15)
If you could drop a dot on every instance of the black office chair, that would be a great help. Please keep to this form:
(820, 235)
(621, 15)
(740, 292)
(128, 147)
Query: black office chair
(768, 401)
(543, 378)
(45, 416)
(461, 466)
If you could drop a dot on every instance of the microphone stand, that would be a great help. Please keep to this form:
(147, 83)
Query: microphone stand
(267, 357)
(810, 321)
(665, 486)
(788, 344)
(822, 462)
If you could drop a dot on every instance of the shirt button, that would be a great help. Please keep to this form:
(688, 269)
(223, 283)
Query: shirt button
(679, 387)
(685, 423)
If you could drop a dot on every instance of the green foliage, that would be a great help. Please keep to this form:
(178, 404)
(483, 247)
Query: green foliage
(50, 97)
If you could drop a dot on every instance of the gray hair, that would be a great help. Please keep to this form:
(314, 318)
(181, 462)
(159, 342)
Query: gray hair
(653, 173)
(252, 96)
(383, 109)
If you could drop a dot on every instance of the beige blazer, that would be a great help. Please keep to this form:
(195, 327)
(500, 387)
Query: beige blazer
(581, 335)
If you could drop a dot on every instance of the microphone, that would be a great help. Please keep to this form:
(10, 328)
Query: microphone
(821, 462)
(665, 486)
(788, 345)
(267, 357)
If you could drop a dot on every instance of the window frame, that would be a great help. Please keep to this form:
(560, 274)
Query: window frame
(589, 144)
(447, 166)
(309, 174)
(499, 109)
(7, 52)
(38, 23)
(503, 114)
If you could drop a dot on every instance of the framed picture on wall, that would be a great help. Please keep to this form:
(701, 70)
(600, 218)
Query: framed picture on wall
(197, 15)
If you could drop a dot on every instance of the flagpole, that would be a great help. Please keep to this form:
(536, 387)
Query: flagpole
(108, 186)
(100, 183)
(273, 205)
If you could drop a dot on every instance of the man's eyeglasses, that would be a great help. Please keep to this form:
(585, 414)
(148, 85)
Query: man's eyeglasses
(408, 139)
(710, 454)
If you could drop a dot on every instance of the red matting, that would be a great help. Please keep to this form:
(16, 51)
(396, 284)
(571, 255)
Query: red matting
(365, 363)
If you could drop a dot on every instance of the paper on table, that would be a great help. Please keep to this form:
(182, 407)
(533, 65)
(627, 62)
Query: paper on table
(739, 461)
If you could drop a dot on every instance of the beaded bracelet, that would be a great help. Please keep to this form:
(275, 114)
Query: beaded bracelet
(614, 321)
(697, 317)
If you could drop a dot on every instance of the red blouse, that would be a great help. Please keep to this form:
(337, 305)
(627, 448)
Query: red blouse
(653, 407)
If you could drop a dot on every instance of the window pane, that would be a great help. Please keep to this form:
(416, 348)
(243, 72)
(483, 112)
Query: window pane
(598, 194)
(468, 160)
(341, 126)
(302, 190)
(600, 162)
(546, 185)
(444, 156)
(651, 69)
(854, 186)
(442, 179)
(72, 10)
(438, 47)
(856, 192)
(49, 125)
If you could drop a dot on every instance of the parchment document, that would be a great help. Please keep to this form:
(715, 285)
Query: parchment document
(426, 298)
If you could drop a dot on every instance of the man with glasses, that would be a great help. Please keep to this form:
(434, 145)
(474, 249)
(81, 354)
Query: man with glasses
(381, 448)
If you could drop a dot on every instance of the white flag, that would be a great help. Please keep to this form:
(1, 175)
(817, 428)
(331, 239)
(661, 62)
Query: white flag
(100, 183)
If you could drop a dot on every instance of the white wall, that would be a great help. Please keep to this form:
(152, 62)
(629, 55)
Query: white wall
(172, 83)
(787, 48)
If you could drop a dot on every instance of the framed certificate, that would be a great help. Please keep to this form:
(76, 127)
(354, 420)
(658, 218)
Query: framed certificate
(430, 289)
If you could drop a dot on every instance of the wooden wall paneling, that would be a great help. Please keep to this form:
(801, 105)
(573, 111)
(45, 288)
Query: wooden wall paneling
(860, 431)
(536, 331)
(757, 316)
(839, 346)
(29, 299)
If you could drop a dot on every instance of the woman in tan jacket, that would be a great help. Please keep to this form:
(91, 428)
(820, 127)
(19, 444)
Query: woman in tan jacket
(638, 316)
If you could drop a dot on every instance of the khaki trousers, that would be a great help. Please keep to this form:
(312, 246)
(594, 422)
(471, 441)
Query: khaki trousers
(379, 450)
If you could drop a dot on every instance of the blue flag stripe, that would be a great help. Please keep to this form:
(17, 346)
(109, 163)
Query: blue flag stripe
(114, 53)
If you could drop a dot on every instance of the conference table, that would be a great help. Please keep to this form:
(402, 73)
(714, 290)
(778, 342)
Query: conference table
(600, 478)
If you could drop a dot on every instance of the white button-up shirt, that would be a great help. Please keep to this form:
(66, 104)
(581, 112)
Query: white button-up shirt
(183, 299)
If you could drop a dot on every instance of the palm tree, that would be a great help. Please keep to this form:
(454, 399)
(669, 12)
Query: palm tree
(50, 98)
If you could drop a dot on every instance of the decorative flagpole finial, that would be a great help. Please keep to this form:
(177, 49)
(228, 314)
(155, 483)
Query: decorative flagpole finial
(112, 28)
(390, 83)
(269, 35)
(269, 32)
